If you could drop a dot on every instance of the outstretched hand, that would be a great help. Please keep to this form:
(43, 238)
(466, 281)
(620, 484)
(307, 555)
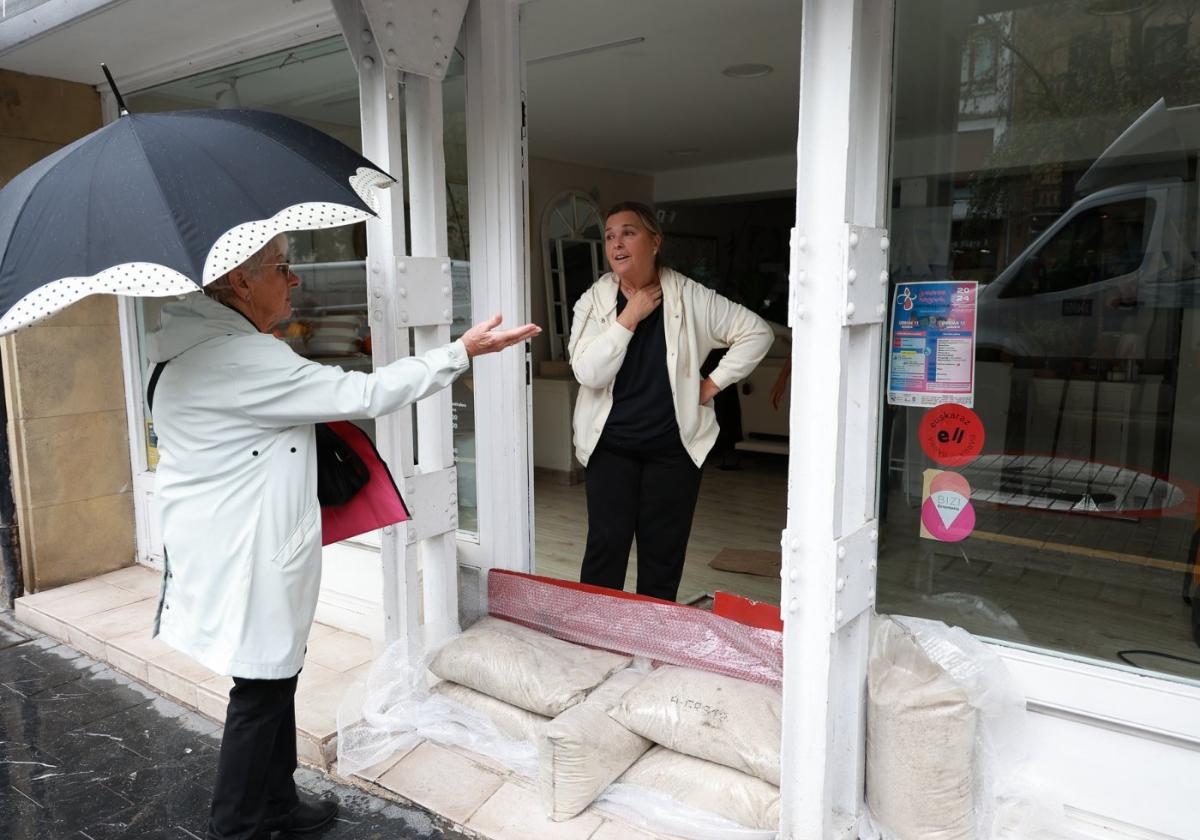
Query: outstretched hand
(485, 338)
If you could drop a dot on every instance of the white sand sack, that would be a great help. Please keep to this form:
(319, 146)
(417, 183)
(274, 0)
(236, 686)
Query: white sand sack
(920, 742)
(709, 716)
(583, 750)
(512, 720)
(710, 787)
(529, 669)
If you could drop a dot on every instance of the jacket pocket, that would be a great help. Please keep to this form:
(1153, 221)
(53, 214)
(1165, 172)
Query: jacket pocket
(296, 540)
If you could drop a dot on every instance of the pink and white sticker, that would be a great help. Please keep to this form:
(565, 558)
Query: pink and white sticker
(947, 514)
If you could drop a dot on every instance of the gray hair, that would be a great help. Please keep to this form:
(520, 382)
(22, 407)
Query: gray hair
(221, 290)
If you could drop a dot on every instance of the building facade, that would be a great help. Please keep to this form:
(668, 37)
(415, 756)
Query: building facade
(967, 144)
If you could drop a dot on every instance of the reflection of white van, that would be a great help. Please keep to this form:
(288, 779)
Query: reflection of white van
(1106, 281)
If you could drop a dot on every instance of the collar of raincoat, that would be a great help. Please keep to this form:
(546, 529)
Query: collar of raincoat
(191, 321)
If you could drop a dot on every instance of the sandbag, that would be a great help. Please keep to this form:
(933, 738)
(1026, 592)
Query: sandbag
(709, 716)
(583, 750)
(701, 784)
(511, 720)
(529, 669)
(920, 742)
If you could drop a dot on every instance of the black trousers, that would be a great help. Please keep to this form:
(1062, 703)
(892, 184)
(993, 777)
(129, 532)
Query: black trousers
(646, 492)
(258, 758)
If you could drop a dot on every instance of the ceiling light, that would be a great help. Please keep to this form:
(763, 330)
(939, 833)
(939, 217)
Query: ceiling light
(682, 152)
(747, 71)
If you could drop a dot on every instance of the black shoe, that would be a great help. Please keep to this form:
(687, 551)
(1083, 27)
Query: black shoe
(308, 816)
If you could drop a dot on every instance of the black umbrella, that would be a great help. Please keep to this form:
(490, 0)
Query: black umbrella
(162, 204)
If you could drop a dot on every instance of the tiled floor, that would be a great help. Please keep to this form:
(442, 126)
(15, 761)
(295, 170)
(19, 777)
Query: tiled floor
(109, 618)
(87, 752)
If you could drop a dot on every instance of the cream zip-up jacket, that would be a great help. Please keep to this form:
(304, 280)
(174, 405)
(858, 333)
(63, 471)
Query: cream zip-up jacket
(237, 479)
(697, 321)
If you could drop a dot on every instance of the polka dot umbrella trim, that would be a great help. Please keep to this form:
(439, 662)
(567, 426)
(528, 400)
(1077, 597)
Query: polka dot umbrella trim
(157, 205)
(228, 252)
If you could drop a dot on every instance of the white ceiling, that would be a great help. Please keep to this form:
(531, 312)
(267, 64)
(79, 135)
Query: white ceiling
(626, 109)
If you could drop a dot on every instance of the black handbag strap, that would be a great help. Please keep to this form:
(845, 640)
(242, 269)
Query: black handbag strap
(157, 372)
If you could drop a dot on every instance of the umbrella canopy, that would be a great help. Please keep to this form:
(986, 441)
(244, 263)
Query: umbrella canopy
(163, 204)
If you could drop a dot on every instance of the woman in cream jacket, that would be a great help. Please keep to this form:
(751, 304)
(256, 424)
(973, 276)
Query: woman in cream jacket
(644, 419)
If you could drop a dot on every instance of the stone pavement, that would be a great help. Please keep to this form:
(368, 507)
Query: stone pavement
(86, 753)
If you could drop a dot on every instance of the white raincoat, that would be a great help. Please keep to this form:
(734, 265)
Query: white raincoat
(237, 479)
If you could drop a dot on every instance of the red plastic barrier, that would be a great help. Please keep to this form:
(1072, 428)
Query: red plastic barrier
(637, 625)
(747, 611)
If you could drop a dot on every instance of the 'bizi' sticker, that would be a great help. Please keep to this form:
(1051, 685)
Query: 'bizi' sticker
(946, 513)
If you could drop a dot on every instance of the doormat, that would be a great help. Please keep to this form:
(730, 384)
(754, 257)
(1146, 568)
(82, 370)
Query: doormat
(747, 562)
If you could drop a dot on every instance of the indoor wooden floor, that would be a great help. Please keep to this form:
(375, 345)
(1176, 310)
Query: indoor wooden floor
(1067, 582)
(742, 509)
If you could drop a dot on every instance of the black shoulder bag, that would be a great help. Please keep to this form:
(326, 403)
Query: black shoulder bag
(341, 473)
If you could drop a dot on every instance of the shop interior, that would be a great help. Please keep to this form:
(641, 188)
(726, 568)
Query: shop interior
(690, 107)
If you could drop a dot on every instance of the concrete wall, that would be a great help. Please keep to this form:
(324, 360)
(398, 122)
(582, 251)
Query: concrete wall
(63, 382)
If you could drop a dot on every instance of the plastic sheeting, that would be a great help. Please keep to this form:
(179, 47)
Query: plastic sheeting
(395, 709)
(658, 812)
(705, 799)
(513, 721)
(1007, 803)
(921, 728)
(663, 631)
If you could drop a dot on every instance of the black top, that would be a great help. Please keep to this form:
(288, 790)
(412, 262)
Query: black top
(643, 409)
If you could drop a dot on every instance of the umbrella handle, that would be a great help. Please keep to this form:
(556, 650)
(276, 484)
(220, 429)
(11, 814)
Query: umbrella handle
(113, 85)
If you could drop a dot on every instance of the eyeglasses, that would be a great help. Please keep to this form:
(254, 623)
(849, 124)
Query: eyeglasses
(284, 268)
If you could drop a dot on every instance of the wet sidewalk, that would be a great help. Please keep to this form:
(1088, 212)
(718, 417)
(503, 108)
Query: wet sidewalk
(86, 753)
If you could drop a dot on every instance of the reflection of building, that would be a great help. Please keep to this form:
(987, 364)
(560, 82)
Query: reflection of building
(986, 149)
(1067, 83)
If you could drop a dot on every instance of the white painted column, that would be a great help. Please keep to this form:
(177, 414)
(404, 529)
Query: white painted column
(838, 292)
(435, 445)
(497, 162)
(379, 91)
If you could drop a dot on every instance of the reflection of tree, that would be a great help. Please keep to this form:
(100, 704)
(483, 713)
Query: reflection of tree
(1080, 74)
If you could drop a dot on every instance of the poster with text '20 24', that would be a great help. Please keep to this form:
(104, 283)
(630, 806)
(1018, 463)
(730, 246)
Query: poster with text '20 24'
(931, 358)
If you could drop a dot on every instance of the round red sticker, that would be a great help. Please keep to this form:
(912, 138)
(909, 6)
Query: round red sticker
(952, 434)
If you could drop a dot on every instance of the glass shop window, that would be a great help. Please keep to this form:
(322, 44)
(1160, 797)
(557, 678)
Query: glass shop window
(462, 392)
(1044, 274)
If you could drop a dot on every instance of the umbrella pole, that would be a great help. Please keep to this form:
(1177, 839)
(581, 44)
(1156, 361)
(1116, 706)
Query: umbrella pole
(113, 86)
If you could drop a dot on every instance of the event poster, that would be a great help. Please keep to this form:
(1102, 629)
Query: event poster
(931, 358)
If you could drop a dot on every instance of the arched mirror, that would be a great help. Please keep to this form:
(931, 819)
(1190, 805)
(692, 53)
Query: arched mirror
(573, 256)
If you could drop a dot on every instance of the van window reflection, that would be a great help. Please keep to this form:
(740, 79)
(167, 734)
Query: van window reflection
(1101, 243)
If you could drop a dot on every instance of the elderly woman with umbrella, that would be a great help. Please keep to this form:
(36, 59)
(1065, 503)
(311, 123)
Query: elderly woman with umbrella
(162, 204)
